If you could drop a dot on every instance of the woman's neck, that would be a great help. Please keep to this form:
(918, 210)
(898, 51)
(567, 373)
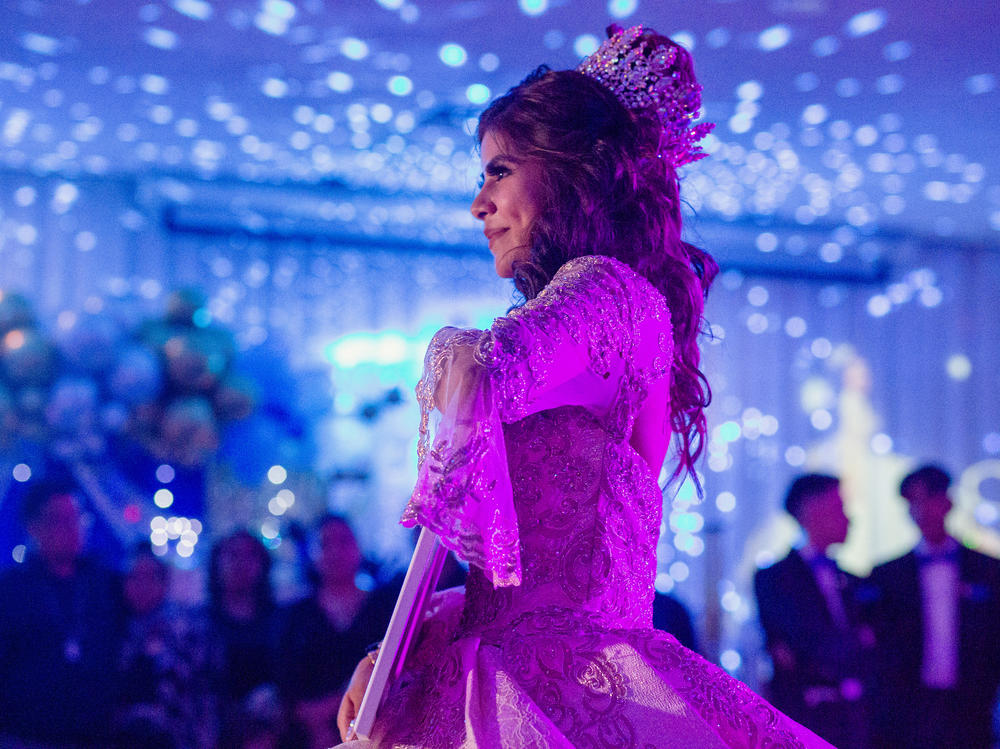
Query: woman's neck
(340, 601)
(339, 586)
(240, 604)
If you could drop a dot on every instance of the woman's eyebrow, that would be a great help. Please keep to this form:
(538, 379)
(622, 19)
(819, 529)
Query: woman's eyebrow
(499, 161)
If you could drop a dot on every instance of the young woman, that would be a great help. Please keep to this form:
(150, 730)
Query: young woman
(554, 425)
(323, 633)
(243, 620)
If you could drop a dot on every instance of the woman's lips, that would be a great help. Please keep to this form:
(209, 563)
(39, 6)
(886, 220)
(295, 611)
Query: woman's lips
(491, 234)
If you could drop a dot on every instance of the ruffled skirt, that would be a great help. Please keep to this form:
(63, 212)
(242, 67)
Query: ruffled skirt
(556, 679)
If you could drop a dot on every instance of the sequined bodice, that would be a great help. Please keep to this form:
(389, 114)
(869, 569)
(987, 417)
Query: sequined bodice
(587, 536)
(531, 477)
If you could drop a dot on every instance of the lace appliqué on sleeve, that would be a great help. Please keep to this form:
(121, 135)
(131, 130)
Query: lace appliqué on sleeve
(463, 490)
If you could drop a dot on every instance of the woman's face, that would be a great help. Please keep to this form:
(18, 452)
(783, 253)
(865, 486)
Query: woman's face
(240, 565)
(146, 585)
(508, 203)
(58, 530)
(338, 557)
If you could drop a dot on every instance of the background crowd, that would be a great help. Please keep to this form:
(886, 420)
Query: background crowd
(906, 657)
(93, 657)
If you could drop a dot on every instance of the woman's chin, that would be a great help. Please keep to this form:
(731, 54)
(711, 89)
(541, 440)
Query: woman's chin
(504, 262)
(503, 267)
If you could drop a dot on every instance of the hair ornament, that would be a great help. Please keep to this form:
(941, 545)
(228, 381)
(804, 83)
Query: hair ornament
(644, 76)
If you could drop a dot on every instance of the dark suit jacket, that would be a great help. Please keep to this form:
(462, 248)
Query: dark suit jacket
(897, 618)
(670, 615)
(809, 650)
(58, 652)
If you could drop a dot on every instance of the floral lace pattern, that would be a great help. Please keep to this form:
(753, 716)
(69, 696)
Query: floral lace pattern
(561, 679)
(531, 477)
(463, 490)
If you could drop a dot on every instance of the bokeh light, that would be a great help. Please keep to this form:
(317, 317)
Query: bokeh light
(533, 7)
(453, 55)
(314, 161)
(277, 474)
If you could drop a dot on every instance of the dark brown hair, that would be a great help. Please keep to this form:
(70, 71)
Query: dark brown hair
(933, 478)
(263, 594)
(806, 487)
(607, 191)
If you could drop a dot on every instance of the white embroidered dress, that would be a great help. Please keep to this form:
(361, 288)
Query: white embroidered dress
(531, 478)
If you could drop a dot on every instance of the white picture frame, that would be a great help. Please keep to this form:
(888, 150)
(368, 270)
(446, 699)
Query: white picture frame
(419, 584)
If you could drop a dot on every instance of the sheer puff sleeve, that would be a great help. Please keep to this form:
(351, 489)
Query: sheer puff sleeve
(573, 345)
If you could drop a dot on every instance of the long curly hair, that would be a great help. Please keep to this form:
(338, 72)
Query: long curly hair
(605, 190)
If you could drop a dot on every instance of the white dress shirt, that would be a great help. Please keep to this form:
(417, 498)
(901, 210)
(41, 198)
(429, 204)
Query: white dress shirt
(939, 595)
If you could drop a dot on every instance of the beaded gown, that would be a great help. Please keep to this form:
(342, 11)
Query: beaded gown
(530, 477)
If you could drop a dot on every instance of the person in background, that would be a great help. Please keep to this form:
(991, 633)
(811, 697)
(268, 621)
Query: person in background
(164, 663)
(244, 630)
(670, 615)
(812, 621)
(324, 635)
(937, 622)
(59, 631)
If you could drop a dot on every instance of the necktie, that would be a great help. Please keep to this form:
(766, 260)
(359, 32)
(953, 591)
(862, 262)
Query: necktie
(826, 572)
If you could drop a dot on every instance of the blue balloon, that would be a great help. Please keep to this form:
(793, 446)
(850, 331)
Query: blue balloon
(90, 343)
(189, 433)
(136, 377)
(8, 418)
(15, 312)
(196, 359)
(113, 417)
(72, 406)
(235, 398)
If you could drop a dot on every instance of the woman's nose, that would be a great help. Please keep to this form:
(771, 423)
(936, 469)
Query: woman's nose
(482, 206)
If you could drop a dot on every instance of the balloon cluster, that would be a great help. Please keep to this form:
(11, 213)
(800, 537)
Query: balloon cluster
(166, 383)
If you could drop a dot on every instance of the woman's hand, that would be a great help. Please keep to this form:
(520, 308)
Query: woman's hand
(351, 703)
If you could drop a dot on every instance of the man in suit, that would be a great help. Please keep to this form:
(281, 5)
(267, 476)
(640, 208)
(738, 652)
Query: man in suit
(671, 616)
(59, 631)
(811, 621)
(937, 622)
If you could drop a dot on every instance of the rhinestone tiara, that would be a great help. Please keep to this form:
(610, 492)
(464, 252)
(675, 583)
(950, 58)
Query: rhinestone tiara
(644, 76)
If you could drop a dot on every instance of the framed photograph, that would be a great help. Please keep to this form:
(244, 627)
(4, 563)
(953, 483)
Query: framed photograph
(404, 627)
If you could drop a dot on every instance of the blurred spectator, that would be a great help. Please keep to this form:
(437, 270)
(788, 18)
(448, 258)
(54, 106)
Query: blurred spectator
(260, 725)
(812, 621)
(453, 573)
(58, 631)
(164, 663)
(243, 619)
(670, 615)
(937, 623)
(324, 635)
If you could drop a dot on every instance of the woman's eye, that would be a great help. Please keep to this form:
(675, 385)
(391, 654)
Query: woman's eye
(497, 170)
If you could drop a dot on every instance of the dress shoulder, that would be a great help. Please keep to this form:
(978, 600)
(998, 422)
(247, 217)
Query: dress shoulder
(605, 275)
(596, 308)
